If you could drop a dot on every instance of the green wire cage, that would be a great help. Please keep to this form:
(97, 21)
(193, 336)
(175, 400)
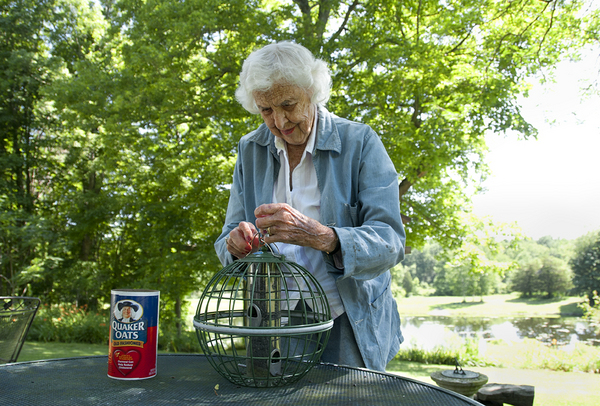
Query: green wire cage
(263, 321)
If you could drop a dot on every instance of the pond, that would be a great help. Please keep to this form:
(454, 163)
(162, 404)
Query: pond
(431, 331)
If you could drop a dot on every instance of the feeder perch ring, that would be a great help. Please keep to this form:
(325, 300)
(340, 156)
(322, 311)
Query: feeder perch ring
(282, 331)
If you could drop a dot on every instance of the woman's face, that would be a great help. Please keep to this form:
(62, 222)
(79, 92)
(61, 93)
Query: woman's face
(287, 111)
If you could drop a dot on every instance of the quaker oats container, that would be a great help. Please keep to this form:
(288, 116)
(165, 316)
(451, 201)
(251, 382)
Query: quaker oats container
(133, 340)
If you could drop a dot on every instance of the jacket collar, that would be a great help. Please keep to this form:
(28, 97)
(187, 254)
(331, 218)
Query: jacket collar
(328, 137)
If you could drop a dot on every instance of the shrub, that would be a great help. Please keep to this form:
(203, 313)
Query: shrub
(591, 312)
(69, 324)
(466, 351)
(187, 341)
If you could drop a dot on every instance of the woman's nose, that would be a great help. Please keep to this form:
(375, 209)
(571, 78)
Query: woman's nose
(280, 119)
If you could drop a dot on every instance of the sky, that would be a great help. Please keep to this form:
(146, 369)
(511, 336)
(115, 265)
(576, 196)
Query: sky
(550, 186)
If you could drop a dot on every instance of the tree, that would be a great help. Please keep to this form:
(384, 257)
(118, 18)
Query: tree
(586, 266)
(524, 279)
(432, 78)
(399, 275)
(554, 277)
(26, 160)
(425, 262)
(407, 283)
(460, 280)
(156, 139)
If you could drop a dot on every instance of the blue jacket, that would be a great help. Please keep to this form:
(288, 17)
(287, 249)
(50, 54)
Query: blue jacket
(359, 199)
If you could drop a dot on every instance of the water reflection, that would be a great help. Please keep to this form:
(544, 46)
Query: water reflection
(427, 332)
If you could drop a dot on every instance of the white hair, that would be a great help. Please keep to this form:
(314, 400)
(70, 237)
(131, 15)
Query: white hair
(283, 63)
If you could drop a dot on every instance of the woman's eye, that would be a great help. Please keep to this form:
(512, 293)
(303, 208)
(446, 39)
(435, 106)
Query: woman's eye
(266, 110)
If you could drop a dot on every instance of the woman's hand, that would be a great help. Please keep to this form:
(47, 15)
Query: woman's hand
(282, 223)
(242, 240)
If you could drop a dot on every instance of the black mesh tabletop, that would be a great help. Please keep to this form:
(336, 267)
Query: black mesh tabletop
(190, 380)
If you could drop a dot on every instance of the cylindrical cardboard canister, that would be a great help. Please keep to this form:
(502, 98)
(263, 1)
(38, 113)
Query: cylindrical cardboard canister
(133, 340)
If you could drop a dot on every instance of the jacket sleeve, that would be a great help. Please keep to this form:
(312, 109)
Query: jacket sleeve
(374, 240)
(235, 213)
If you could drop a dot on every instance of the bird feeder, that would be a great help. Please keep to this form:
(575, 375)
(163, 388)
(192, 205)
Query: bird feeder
(263, 321)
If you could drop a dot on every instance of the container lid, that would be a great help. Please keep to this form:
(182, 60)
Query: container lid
(135, 292)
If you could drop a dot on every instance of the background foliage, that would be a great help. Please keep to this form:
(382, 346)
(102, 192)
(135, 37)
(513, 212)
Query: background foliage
(532, 268)
(119, 123)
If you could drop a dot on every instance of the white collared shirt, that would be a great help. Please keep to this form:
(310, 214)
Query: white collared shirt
(306, 198)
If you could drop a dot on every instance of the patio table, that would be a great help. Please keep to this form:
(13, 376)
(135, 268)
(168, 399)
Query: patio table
(190, 380)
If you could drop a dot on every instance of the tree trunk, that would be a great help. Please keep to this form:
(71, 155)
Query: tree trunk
(178, 315)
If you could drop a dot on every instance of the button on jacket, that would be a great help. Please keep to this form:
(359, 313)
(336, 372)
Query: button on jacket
(359, 199)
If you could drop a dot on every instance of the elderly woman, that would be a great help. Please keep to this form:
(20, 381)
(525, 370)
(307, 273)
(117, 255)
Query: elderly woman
(324, 189)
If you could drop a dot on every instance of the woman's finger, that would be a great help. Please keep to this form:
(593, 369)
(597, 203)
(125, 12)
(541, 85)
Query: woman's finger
(242, 240)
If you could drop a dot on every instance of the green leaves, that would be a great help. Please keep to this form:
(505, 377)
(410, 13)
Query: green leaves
(586, 265)
(120, 124)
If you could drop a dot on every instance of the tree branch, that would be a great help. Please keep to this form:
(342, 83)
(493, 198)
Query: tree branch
(335, 36)
(527, 27)
(547, 31)
(414, 118)
(405, 184)
(462, 41)
(304, 6)
(323, 17)
(418, 21)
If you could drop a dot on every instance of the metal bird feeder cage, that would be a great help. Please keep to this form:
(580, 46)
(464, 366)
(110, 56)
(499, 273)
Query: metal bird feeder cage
(263, 321)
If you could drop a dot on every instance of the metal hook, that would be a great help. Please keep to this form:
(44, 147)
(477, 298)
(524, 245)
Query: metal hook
(263, 243)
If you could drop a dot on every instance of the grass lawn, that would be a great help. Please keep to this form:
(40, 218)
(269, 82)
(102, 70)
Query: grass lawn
(493, 305)
(35, 350)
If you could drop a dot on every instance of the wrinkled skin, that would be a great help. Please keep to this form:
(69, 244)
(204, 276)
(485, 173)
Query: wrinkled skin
(288, 113)
(286, 225)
